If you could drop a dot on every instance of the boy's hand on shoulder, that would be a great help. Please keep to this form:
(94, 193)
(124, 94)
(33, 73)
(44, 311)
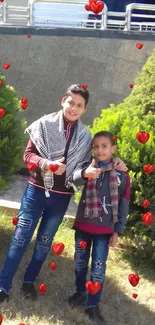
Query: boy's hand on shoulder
(120, 165)
(113, 240)
(92, 171)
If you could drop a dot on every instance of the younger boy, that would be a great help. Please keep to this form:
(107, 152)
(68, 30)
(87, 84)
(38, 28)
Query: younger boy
(100, 218)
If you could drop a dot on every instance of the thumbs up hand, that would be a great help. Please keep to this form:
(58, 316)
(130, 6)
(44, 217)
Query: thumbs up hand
(92, 171)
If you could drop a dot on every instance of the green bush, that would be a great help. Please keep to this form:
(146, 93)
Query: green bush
(12, 139)
(135, 114)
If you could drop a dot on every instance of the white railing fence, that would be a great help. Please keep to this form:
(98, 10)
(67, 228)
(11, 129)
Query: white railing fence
(72, 14)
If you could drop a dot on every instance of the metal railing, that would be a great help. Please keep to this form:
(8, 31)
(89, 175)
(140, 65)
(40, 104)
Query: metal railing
(72, 14)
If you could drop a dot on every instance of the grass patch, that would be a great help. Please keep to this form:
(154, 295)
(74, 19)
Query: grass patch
(117, 304)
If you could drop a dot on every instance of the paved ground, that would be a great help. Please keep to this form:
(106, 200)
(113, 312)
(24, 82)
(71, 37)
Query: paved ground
(12, 197)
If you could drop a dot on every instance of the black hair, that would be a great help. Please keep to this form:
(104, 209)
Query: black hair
(106, 134)
(77, 89)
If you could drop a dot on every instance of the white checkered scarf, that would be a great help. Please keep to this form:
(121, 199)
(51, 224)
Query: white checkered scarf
(48, 136)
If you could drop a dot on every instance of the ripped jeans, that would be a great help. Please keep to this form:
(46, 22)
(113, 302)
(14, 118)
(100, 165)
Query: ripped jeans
(34, 206)
(100, 250)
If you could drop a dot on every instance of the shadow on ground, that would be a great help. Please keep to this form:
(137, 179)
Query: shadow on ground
(52, 308)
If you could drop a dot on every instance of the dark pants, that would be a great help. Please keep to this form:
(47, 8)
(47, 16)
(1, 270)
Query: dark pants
(34, 205)
(100, 250)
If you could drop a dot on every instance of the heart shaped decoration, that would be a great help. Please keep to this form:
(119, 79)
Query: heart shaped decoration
(145, 203)
(90, 179)
(142, 137)
(14, 221)
(53, 167)
(148, 218)
(84, 86)
(24, 106)
(42, 289)
(83, 244)
(2, 112)
(131, 86)
(139, 46)
(1, 319)
(6, 66)
(149, 168)
(24, 103)
(93, 287)
(133, 279)
(88, 7)
(134, 295)
(31, 165)
(1, 82)
(96, 8)
(53, 266)
(58, 248)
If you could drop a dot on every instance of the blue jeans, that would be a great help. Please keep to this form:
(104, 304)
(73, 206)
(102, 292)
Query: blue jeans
(100, 250)
(33, 206)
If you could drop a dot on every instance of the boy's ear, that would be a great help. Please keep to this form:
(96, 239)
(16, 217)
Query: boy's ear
(62, 100)
(114, 148)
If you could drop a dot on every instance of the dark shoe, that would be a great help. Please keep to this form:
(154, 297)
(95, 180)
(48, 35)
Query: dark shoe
(78, 299)
(29, 291)
(3, 296)
(95, 316)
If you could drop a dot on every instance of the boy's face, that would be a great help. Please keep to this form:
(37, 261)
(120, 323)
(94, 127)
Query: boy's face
(103, 149)
(73, 107)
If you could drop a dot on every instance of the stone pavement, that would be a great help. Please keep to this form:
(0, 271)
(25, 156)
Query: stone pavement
(11, 198)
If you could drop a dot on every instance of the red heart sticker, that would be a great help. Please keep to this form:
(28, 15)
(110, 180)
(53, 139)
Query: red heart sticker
(93, 287)
(24, 103)
(6, 66)
(133, 279)
(131, 86)
(83, 244)
(90, 178)
(1, 82)
(149, 168)
(142, 137)
(31, 165)
(53, 266)
(139, 46)
(148, 218)
(42, 289)
(53, 167)
(88, 7)
(14, 221)
(84, 86)
(96, 8)
(58, 248)
(2, 112)
(145, 203)
(134, 295)
(1, 319)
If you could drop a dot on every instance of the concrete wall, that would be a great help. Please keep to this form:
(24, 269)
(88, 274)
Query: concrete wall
(43, 66)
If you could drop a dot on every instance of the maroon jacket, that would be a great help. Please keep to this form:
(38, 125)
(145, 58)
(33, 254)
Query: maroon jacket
(31, 154)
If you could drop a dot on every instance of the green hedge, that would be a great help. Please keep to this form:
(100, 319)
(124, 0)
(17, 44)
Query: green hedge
(12, 138)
